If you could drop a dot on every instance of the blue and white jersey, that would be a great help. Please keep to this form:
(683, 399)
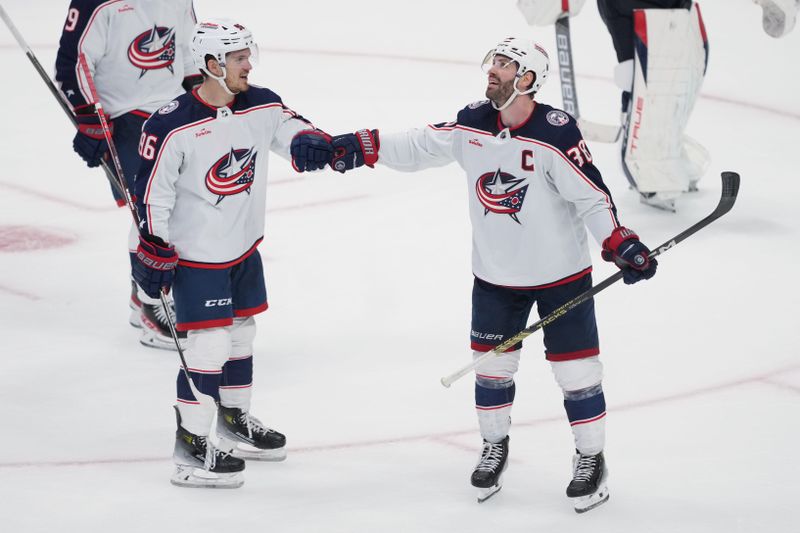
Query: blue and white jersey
(137, 51)
(533, 190)
(203, 179)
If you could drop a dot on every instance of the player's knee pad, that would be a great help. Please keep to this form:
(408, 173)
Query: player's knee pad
(208, 349)
(498, 369)
(242, 334)
(578, 374)
(670, 52)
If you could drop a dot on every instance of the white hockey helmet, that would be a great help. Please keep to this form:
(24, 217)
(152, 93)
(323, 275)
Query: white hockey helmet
(528, 55)
(218, 37)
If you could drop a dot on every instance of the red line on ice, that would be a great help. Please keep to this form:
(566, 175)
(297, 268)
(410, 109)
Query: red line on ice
(56, 199)
(442, 438)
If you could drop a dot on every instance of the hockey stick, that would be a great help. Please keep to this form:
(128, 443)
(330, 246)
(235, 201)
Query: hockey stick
(54, 91)
(591, 130)
(730, 189)
(203, 399)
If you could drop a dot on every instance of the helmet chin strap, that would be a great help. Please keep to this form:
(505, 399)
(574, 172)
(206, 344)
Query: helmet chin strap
(221, 79)
(511, 98)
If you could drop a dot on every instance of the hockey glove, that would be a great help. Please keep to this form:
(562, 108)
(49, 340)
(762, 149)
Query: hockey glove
(624, 249)
(353, 150)
(155, 264)
(311, 150)
(89, 142)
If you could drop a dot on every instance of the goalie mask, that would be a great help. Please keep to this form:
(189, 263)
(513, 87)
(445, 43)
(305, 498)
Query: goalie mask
(528, 56)
(217, 38)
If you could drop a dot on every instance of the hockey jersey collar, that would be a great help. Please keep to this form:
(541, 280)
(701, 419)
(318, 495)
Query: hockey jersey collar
(501, 126)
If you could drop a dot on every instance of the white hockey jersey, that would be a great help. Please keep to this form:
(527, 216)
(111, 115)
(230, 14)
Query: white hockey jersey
(533, 190)
(137, 51)
(203, 178)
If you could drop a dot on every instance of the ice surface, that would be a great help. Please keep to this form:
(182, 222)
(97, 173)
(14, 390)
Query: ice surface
(369, 283)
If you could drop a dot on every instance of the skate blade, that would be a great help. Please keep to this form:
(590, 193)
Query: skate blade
(192, 477)
(587, 503)
(245, 451)
(485, 494)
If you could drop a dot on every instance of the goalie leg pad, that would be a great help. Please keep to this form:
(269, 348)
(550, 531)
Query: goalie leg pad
(671, 52)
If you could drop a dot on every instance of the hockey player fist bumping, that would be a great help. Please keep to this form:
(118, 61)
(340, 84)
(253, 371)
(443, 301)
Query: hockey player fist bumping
(353, 150)
(311, 150)
(624, 249)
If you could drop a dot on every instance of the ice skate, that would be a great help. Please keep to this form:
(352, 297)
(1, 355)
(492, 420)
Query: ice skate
(155, 331)
(247, 438)
(488, 473)
(588, 487)
(199, 464)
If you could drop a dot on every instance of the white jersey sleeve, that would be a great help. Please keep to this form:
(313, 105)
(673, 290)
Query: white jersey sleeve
(417, 149)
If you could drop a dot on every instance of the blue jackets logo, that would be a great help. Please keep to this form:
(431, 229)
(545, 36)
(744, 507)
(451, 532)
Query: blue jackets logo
(153, 49)
(499, 192)
(232, 173)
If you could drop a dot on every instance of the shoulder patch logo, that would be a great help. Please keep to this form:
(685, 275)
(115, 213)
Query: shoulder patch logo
(557, 118)
(169, 108)
(476, 105)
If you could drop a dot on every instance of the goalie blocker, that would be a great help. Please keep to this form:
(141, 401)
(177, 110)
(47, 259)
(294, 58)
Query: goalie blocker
(670, 59)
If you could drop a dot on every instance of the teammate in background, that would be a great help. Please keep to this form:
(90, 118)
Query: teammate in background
(662, 50)
(534, 190)
(778, 16)
(137, 52)
(201, 194)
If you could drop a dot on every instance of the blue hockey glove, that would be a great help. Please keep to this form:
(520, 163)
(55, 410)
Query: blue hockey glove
(353, 150)
(624, 249)
(311, 150)
(89, 142)
(155, 264)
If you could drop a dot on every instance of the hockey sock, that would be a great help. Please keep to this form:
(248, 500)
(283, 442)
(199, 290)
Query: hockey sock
(586, 411)
(493, 401)
(237, 382)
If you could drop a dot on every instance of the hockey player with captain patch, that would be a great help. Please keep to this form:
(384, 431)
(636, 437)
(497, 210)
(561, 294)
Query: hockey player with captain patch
(533, 191)
(138, 54)
(201, 195)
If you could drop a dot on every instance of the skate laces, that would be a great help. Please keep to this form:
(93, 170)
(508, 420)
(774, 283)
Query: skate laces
(212, 453)
(491, 456)
(252, 424)
(585, 467)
